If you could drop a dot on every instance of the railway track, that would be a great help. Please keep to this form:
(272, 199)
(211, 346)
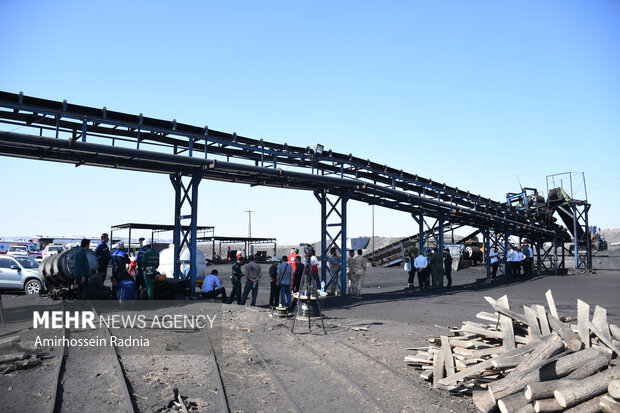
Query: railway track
(78, 371)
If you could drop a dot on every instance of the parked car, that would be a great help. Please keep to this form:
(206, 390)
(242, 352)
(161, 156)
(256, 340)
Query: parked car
(52, 249)
(20, 273)
(18, 251)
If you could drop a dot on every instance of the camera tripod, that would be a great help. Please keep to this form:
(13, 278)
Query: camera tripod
(308, 303)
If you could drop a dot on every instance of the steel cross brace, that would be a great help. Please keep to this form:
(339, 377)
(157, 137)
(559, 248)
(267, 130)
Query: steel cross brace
(494, 239)
(185, 195)
(329, 209)
(438, 226)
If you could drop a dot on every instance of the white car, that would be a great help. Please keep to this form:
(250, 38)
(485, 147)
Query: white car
(18, 251)
(20, 273)
(52, 249)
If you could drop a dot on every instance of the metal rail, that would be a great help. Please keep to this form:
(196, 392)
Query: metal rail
(220, 384)
(372, 183)
(272, 373)
(443, 401)
(338, 370)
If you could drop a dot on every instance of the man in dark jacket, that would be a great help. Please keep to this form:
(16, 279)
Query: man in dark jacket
(81, 269)
(273, 276)
(447, 266)
(235, 278)
(103, 255)
(150, 262)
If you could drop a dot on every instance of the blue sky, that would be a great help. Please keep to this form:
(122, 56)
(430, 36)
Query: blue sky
(473, 94)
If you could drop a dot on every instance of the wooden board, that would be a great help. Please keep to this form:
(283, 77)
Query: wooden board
(447, 354)
(583, 318)
(551, 304)
(542, 318)
(532, 322)
(599, 320)
(508, 334)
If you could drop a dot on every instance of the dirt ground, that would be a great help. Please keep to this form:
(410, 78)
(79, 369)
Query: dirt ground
(317, 371)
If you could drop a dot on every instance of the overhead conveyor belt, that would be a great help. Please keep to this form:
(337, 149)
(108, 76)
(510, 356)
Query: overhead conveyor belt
(141, 143)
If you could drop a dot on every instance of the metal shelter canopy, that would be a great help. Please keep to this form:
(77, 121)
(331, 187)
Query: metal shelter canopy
(154, 228)
(246, 241)
(360, 179)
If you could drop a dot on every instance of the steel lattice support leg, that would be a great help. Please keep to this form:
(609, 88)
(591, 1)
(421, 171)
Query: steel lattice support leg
(336, 209)
(185, 236)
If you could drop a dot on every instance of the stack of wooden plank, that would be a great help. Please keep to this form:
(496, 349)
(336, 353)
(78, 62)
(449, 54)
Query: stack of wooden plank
(530, 361)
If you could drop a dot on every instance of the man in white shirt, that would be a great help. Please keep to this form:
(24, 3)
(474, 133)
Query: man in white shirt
(420, 264)
(510, 256)
(493, 256)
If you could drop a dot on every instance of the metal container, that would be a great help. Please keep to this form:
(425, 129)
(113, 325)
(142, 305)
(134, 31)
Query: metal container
(57, 270)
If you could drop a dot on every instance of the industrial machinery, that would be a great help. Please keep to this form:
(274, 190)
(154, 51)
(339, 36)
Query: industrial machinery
(57, 270)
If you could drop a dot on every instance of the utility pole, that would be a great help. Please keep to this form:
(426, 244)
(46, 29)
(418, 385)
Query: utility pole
(373, 232)
(249, 222)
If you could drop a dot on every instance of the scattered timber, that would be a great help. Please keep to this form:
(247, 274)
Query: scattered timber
(535, 361)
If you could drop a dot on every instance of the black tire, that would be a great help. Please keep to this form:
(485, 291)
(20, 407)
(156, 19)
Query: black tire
(32, 286)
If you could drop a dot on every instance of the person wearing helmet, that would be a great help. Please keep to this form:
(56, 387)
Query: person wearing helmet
(119, 260)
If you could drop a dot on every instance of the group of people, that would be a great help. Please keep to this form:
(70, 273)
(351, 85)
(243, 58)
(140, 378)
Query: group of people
(432, 265)
(518, 260)
(93, 286)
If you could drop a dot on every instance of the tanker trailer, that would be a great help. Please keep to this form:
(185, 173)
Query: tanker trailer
(57, 270)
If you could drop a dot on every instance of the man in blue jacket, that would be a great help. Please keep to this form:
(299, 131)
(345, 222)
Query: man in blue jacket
(119, 260)
(103, 255)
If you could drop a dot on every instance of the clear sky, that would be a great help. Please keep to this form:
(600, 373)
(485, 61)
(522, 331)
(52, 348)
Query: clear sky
(472, 93)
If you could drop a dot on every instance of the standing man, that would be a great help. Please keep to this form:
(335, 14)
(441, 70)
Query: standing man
(253, 273)
(150, 262)
(81, 269)
(360, 272)
(273, 278)
(140, 283)
(235, 279)
(447, 266)
(284, 277)
(291, 258)
(437, 268)
(103, 255)
(351, 273)
(527, 262)
(334, 264)
(420, 264)
(510, 255)
(119, 260)
(493, 256)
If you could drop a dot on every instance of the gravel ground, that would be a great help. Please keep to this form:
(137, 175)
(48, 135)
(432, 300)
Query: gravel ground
(318, 371)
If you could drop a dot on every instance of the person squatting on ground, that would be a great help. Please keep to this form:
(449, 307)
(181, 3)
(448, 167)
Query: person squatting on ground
(273, 283)
(102, 252)
(211, 287)
(284, 276)
(253, 273)
(447, 266)
(437, 268)
(334, 263)
(98, 291)
(119, 260)
(420, 264)
(235, 279)
(360, 273)
(150, 262)
(493, 255)
(81, 269)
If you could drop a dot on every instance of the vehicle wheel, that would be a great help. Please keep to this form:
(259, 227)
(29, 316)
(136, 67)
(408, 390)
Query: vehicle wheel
(32, 287)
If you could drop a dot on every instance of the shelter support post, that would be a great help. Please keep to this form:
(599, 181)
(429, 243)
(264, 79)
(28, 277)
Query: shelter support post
(333, 235)
(186, 194)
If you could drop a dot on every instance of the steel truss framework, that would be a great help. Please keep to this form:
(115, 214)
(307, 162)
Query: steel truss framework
(83, 135)
(333, 235)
